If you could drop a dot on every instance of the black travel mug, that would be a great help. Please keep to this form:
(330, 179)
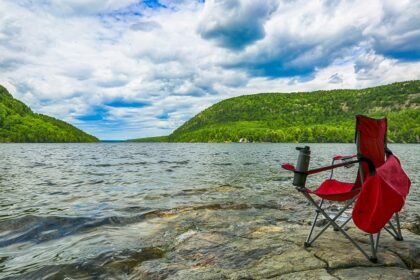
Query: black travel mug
(302, 166)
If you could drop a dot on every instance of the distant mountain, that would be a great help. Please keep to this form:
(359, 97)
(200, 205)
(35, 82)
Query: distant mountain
(19, 124)
(319, 116)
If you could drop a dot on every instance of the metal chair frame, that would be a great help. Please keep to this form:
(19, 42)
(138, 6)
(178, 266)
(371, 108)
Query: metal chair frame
(394, 231)
(365, 129)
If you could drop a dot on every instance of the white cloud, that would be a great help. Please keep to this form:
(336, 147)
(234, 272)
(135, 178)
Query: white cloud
(235, 24)
(72, 59)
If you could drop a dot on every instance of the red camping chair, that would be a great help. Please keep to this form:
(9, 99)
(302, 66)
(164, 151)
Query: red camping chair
(379, 190)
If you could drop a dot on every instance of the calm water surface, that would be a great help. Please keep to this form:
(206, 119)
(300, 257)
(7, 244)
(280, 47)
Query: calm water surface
(82, 204)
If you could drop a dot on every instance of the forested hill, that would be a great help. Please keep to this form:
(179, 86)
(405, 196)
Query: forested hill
(320, 116)
(19, 124)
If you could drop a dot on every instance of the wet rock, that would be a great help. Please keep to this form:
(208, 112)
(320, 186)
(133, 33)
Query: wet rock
(321, 222)
(338, 252)
(374, 273)
(333, 208)
(416, 273)
(320, 274)
(127, 261)
(292, 260)
(202, 240)
(235, 242)
(413, 225)
(264, 230)
(227, 188)
(181, 238)
(161, 214)
(211, 249)
(200, 274)
(156, 270)
(408, 249)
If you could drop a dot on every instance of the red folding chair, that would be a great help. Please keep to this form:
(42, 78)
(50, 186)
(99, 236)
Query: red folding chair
(379, 190)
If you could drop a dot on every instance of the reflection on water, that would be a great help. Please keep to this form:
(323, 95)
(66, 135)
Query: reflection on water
(71, 209)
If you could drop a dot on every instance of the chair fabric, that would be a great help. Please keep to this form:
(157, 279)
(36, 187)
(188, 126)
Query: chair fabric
(382, 196)
(371, 140)
(335, 190)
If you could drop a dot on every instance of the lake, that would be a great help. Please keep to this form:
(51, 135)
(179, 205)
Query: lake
(66, 208)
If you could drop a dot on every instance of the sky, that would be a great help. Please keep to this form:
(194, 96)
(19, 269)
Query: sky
(123, 69)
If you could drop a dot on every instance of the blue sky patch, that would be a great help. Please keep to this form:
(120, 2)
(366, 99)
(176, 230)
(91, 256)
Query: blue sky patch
(121, 103)
(404, 55)
(97, 113)
(153, 4)
(164, 116)
(91, 117)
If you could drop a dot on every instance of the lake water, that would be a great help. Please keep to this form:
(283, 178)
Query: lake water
(65, 207)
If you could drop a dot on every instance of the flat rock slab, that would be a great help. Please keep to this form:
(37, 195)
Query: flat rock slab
(408, 249)
(374, 273)
(337, 252)
(293, 260)
(257, 243)
(319, 274)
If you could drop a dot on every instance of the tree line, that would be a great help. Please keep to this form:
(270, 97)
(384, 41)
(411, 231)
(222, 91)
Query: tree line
(19, 124)
(319, 116)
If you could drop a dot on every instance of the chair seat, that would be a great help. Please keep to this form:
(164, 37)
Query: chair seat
(335, 190)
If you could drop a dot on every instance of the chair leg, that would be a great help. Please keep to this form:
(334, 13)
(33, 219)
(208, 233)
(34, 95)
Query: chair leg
(374, 247)
(395, 232)
(331, 221)
(397, 220)
(307, 243)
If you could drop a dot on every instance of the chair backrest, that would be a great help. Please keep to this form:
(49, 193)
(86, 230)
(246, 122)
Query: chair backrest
(370, 141)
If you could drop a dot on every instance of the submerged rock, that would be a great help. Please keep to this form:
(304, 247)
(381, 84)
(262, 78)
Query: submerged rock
(181, 238)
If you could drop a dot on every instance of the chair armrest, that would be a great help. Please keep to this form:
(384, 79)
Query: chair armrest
(288, 166)
(340, 157)
(321, 169)
(291, 167)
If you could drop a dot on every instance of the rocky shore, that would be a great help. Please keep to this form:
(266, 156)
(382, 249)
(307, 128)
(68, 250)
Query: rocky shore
(240, 241)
